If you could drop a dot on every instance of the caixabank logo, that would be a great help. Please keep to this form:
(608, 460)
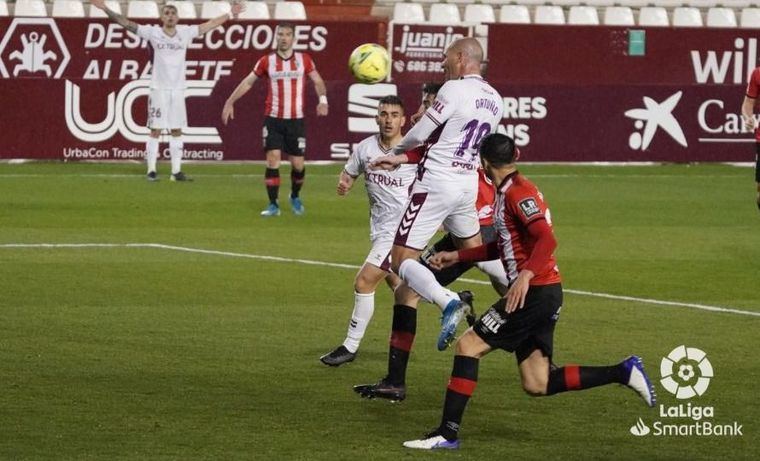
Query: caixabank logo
(33, 47)
(686, 373)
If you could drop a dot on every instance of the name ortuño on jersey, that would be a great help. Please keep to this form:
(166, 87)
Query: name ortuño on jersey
(519, 204)
(387, 190)
(465, 110)
(287, 83)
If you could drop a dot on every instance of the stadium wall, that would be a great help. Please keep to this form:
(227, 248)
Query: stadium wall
(75, 89)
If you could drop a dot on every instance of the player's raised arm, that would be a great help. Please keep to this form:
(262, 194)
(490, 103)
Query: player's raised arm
(116, 17)
(211, 24)
(228, 112)
(321, 89)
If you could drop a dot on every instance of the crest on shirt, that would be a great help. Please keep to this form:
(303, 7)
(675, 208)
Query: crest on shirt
(529, 207)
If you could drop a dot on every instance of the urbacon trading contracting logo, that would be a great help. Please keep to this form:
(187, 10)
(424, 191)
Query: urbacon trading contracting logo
(686, 373)
(32, 46)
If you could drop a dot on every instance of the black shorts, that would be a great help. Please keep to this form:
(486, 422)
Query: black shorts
(287, 135)
(446, 276)
(527, 329)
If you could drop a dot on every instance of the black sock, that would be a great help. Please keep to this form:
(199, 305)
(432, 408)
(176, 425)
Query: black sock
(575, 378)
(402, 338)
(272, 181)
(296, 181)
(464, 378)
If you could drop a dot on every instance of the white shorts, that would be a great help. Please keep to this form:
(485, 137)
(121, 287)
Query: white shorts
(166, 110)
(433, 203)
(380, 254)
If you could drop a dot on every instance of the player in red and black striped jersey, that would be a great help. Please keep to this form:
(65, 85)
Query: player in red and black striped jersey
(750, 123)
(284, 129)
(523, 321)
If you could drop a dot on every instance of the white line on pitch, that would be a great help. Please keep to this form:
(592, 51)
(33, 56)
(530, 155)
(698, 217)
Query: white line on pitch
(657, 302)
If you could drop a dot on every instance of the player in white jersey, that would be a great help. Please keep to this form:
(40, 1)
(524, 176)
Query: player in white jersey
(466, 109)
(166, 106)
(387, 192)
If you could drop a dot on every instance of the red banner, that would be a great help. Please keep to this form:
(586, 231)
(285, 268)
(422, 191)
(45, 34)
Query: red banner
(85, 83)
(417, 50)
(77, 89)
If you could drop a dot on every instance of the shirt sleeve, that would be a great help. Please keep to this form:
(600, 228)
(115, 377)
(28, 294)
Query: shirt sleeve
(355, 164)
(753, 87)
(308, 64)
(260, 69)
(190, 32)
(527, 207)
(144, 31)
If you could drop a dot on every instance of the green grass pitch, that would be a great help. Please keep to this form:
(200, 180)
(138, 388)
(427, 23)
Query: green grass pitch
(140, 352)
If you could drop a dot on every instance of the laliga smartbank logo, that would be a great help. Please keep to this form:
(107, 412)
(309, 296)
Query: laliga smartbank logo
(686, 373)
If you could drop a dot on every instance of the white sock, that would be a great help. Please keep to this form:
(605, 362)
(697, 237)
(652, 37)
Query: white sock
(151, 153)
(421, 280)
(175, 150)
(364, 307)
(494, 269)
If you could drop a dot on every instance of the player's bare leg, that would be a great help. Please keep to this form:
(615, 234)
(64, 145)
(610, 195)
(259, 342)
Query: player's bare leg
(151, 154)
(297, 176)
(272, 181)
(176, 149)
(540, 377)
(365, 284)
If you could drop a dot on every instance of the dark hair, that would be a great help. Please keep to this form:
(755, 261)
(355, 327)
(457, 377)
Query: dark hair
(499, 149)
(287, 25)
(392, 100)
(170, 6)
(431, 88)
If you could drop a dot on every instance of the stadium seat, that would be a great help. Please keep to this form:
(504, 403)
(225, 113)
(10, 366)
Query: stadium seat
(583, 16)
(479, 13)
(289, 10)
(687, 17)
(750, 18)
(255, 10)
(549, 14)
(618, 16)
(30, 8)
(185, 9)
(112, 5)
(443, 13)
(68, 9)
(514, 14)
(142, 9)
(3, 8)
(653, 16)
(212, 9)
(721, 17)
(462, 2)
(408, 12)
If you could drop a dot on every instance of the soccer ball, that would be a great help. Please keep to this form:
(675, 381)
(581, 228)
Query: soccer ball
(369, 63)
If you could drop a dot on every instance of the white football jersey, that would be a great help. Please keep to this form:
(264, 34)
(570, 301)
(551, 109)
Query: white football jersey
(387, 190)
(464, 111)
(168, 70)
